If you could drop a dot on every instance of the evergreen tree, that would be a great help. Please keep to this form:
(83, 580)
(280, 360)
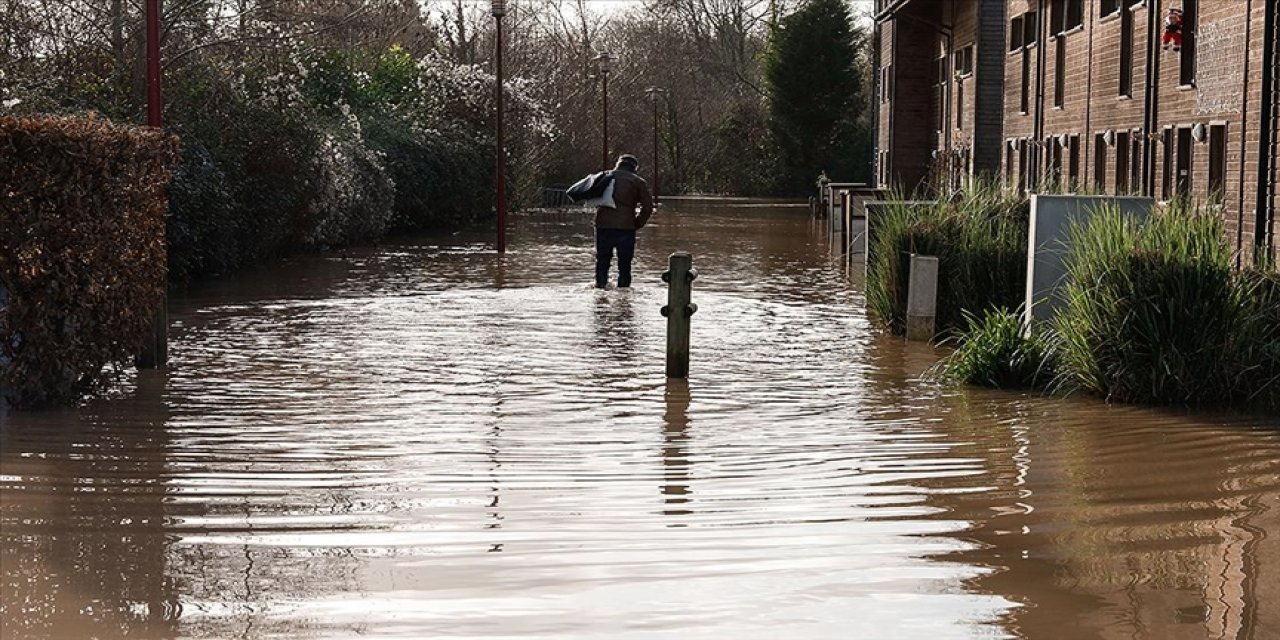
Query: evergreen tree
(817, 103)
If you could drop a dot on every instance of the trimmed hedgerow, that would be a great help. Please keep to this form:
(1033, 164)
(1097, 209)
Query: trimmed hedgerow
(82, 253)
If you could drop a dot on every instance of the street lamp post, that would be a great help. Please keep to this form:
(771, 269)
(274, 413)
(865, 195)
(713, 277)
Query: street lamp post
(155, 351)
(499, 9)
(604, 61)
(654, 94)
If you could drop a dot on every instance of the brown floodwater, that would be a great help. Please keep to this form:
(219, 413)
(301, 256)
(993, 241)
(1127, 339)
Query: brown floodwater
(422, 440)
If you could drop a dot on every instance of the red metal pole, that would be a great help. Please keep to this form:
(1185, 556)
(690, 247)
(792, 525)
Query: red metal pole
(604, 149)
(501, 173)
(154, 104)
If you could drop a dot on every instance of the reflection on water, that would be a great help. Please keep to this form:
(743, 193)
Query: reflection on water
(425, 440)
(675, 435)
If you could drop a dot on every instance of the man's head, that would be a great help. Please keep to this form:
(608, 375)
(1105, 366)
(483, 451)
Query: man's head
(628, 162)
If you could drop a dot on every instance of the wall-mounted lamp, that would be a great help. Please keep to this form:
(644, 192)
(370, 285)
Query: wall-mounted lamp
(1198, 132)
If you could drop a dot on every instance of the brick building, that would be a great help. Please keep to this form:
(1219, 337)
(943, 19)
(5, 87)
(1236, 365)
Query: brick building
(1081, 95)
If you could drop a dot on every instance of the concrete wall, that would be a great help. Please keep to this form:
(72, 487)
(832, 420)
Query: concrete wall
(1051, 218)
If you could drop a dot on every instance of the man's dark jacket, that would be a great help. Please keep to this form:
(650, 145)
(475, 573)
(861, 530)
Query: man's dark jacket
(629, 190)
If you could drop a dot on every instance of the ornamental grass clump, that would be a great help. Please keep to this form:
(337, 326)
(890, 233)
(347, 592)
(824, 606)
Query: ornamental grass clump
(995, 352)
(1154, 312)
(1259, 291)
(980, 240)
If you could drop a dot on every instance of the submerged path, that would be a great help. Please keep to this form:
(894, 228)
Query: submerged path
(421, 440)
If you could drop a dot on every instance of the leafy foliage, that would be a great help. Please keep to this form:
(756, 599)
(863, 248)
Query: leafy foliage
(817, 96)
(995, 352)
(81, 252)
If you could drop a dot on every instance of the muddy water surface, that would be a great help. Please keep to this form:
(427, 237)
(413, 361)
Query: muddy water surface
(424, 441)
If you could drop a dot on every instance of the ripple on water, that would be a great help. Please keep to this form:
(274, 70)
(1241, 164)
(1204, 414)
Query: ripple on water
(422, 440)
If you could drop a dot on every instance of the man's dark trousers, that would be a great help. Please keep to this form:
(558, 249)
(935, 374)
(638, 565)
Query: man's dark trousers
(607, 240)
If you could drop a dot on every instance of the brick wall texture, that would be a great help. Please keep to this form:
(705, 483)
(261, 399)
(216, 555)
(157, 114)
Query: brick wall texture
(1040, 91)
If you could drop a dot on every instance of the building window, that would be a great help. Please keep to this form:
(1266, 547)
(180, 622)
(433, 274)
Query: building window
(964, 61)
(1054, 170)
(1099, 163)
(1073, 162)
(1187, 66)
(1065, 15)
(1075, 14)
(1060, 73)
(1122, 163)
(1024, 160)
(1025, 102)
(886, 78)
(1016, 34)
(1030, 20)
(1109, 7)
(1217, 162)
(1135, 163)
(960, 104)
(1010, 157)
(1166, 183)
(1126, 53)
(1185, 159)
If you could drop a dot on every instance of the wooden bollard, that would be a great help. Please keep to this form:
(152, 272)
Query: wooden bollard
(154, 353)
(680, 276)
(922, 298)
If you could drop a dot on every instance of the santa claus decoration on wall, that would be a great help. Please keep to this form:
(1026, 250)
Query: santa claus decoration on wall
(1172, 38)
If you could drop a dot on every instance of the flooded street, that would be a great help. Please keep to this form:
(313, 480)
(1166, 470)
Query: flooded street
(423, 441)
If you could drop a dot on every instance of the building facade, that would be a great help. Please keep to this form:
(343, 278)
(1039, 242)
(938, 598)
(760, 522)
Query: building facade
(1082, 95)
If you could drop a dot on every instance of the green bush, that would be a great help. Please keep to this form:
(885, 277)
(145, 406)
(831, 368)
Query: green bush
(994, 352)
(980, 240)
(1154, 312)
(82, 256)
(353, 195)
(244, 191)
(443, 179)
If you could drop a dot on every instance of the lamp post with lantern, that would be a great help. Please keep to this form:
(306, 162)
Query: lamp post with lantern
(603, 62)
(654, 94)
(499, 9)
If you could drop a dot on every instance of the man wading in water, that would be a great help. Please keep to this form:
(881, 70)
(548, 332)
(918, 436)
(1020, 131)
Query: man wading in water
(616, 226)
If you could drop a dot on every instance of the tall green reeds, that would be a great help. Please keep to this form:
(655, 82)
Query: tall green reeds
(1154, 312)
(994, 351)
(980, 240)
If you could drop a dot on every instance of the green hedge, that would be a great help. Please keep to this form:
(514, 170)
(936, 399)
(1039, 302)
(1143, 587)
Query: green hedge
(82, 254)
(356, 147)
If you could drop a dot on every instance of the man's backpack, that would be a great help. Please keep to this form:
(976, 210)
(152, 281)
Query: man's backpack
(595, 189)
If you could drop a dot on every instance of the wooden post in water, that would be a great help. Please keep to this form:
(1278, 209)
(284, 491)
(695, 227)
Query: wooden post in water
(680, 276)
(922, 298)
